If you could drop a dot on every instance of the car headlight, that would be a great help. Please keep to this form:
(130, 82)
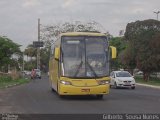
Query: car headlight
(103, 82)
(119, 80)
(65, 82)
(133, 80)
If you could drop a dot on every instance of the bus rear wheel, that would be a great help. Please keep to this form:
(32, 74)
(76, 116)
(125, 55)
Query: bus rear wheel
(99, 96)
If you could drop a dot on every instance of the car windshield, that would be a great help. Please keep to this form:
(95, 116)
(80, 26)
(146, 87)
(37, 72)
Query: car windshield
(123, 74)
(84, 57)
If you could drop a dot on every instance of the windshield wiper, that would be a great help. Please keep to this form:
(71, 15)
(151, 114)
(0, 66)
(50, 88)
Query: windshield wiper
(92, 69)
(77, 71)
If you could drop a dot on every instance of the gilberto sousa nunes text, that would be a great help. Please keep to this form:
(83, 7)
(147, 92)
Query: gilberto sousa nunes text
(131, 116)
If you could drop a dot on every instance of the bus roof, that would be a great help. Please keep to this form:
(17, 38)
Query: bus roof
(82, 34)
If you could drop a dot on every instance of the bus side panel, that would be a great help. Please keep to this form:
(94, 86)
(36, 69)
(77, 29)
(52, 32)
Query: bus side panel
(51, 71)
(53, 75)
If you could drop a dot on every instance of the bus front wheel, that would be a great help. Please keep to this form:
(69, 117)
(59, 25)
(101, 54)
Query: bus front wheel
(53, 90)
(99, 96)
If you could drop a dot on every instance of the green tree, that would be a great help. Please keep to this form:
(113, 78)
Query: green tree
(44, 60)
(142, 36)
(30, 51)
(127, 58)
(120, 44)
(7, 49)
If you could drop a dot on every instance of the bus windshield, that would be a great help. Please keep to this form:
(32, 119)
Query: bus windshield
(85, 57)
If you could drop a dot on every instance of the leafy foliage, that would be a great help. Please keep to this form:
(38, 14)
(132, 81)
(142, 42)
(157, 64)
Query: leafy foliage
(120, 44)
(45, 55)
(31, 52)
(144, 40)
(7, 49)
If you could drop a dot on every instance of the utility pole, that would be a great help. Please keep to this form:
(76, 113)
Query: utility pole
(157, 13)
(38, 48)
(23, 64)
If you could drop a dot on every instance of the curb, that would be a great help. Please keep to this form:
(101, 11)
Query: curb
(8, 86)
(12, 85)
(151, 86)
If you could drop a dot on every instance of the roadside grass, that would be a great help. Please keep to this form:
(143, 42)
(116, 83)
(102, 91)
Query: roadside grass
(152, 81)
(6, 81)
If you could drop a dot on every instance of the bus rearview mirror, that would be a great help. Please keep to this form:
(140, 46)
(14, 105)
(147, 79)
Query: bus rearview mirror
(57, 53)
(113, 52)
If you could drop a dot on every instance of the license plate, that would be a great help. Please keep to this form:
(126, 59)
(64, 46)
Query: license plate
(85, 90)
(127, 83)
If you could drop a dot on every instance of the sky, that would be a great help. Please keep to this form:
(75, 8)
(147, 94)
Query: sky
(19, 18)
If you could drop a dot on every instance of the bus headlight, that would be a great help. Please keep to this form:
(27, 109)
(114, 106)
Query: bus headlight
(65, 82)
(103, 82)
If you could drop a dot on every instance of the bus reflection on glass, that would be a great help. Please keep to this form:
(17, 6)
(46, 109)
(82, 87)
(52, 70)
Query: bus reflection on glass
(79, 64)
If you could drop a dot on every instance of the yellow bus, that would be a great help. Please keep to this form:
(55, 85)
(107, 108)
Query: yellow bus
(79, 64)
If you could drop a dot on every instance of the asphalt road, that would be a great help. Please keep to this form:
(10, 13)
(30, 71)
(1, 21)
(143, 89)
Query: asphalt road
(37, 97)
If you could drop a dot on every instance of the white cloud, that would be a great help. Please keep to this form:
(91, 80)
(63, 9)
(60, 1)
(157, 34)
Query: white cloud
(138, 10)
(19, 17)
(67, 3)
(30, 3)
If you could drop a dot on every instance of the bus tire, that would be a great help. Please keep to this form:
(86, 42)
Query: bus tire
(62, 96)
(53, 89)
(99, 96)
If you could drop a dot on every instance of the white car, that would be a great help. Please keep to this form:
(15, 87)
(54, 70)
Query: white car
(38, 73)
(122, 79)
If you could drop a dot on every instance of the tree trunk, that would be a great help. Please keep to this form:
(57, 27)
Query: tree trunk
(146, 76)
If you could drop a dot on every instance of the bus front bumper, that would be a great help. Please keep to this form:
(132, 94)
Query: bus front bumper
(74, 90)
